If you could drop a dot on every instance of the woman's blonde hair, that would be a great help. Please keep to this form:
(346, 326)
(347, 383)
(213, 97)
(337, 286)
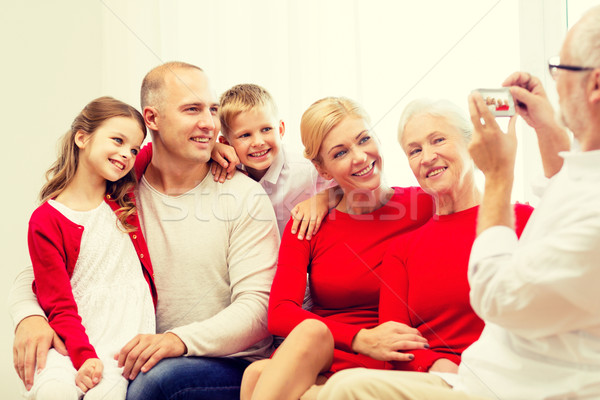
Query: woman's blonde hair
(321, 117)
(61, 173)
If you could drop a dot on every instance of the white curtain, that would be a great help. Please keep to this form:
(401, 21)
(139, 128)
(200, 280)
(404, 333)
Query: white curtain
(382, 53)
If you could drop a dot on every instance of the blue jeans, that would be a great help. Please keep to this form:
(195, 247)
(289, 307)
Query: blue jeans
(187, 378)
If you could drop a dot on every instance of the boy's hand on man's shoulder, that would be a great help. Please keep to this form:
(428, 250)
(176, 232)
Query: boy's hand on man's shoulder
(224, 162)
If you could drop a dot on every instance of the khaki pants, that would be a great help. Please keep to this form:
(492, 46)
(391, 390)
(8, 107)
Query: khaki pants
(374, 384)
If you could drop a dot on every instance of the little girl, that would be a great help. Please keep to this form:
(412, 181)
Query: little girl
(94, 282)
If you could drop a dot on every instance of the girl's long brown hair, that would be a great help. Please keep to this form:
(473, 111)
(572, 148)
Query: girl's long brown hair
(61, 173)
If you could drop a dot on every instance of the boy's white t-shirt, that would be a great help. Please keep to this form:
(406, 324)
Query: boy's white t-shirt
(291, 179)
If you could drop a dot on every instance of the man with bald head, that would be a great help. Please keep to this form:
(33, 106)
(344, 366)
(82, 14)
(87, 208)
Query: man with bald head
(213, 247)
(538, 296)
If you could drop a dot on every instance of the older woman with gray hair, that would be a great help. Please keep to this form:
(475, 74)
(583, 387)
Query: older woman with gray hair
(424, 272)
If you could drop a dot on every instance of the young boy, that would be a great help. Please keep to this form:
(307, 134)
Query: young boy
(250, 124)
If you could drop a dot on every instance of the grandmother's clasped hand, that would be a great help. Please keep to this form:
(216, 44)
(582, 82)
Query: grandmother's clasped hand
(388, 341)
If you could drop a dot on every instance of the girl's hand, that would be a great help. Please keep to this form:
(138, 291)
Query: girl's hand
(388, 341)
(89, 374)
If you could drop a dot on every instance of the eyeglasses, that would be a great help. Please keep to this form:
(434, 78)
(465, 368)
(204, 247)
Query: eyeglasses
(554, 65)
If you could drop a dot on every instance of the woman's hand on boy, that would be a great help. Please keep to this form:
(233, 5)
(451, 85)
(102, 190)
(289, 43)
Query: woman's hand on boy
(89, 374)
(224, 162)
(308, 215)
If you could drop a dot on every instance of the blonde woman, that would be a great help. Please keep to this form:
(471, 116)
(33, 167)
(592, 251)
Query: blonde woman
(342, 263)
